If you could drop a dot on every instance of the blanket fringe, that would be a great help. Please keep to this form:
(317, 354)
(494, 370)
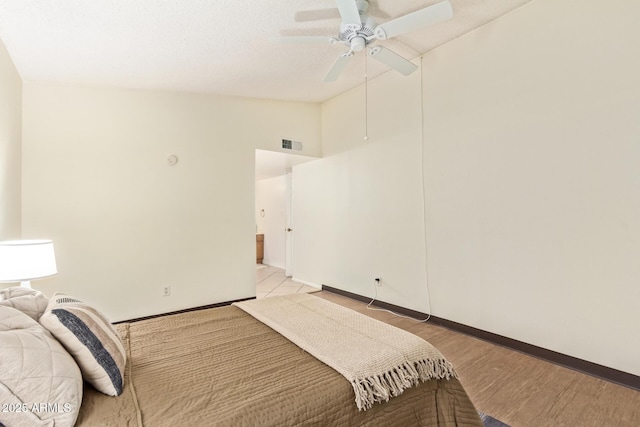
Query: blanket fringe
(380, 388)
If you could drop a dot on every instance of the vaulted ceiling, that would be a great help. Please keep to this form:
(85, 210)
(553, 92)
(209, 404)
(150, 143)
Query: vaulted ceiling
(212, 46)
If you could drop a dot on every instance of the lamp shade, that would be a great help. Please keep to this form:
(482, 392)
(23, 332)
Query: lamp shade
(24, 260)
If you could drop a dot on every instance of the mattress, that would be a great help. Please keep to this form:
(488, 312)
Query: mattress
(222, 367)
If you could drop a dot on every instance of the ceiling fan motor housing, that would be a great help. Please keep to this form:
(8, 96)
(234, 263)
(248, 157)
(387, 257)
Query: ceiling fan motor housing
(358, 38)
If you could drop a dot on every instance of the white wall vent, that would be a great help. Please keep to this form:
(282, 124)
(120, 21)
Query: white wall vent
(288, 144)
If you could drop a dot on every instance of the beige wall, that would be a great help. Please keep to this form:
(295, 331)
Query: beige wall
(10, 140)
(531, 160)
(124, 222)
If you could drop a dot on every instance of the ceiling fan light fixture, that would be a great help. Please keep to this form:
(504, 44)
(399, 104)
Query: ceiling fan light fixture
(357, 44)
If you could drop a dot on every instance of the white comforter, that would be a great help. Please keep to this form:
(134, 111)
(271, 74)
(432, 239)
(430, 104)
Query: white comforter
(40, 383)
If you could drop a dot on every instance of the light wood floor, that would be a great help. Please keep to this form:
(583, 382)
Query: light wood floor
(518, 389)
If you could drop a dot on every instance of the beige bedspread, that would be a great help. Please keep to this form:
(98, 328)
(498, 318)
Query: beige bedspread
(222, 367)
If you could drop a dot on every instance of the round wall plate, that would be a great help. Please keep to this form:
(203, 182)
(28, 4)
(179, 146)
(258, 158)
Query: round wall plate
(172, 160)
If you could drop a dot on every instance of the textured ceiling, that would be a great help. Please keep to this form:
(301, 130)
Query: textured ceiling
(210, 46)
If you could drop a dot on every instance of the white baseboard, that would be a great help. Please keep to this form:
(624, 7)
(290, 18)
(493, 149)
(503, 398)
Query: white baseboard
(266, 262)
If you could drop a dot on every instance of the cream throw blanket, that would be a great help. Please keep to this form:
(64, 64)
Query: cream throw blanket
(379, 360)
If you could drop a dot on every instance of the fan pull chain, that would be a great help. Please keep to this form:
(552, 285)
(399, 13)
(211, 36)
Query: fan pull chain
(366, 98)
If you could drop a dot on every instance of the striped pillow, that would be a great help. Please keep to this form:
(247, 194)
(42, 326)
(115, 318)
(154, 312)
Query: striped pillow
(91, 339)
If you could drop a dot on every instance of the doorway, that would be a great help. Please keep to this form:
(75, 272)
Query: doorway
(274, 179)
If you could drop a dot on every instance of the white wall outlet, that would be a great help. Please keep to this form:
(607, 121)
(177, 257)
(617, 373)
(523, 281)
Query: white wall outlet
(378, 281)
(166, 291)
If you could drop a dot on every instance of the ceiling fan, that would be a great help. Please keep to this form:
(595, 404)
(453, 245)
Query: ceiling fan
(359, 31)
(333, 13)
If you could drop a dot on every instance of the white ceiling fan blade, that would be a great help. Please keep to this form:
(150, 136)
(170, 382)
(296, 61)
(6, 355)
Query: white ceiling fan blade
(393, 60)
(419, 19)
(304, 40)
(349, 12)
(337, 67)
(317, 15)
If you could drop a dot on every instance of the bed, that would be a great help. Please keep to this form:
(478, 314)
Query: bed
(224, 367)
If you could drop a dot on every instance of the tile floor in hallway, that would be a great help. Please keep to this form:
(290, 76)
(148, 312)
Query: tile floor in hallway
(271, 281)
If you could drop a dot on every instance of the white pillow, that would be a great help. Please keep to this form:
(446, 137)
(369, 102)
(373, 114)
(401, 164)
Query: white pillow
(40, 383)
(27, 300)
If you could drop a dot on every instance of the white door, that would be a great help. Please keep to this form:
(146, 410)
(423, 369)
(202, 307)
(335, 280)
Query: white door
(288, 263)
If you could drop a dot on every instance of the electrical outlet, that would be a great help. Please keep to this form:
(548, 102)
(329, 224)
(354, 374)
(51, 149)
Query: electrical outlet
(378, 281)
(166, 291)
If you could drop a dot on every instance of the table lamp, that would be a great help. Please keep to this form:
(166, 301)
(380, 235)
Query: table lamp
(26, 260)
